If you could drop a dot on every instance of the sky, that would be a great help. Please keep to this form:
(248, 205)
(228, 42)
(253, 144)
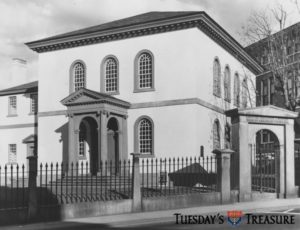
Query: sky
(23, 21)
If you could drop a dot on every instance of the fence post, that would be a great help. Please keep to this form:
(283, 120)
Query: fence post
(136, 183)
(223, 173)
(32, 193)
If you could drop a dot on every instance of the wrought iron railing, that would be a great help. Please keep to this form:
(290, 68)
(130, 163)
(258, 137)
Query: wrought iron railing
(171, 176)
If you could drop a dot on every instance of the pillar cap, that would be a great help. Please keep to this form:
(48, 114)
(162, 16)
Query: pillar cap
(31, 157)
(223, 151)
(142, 155)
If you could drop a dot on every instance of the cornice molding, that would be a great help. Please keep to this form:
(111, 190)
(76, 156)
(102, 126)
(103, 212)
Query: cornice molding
(201, 21)
(17, 126)
(153, 104)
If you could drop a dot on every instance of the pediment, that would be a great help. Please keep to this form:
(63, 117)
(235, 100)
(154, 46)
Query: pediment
(81, 98)
(86, 96)
(264, 111)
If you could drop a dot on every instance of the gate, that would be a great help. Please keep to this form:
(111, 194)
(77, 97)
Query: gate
(265, 167)
(297, 164)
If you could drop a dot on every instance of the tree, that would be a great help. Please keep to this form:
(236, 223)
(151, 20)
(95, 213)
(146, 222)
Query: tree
(272, 49)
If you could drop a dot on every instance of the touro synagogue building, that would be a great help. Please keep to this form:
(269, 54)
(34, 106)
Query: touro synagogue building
(160, 83)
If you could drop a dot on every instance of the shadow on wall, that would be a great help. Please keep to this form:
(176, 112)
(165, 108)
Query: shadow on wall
(64, 131)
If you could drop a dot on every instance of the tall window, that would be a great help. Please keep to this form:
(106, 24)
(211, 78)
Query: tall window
(111, 75)
(217, 78)
(78, 73)
(12, 105)
(244, 93)
(33, 103)
(290, 84)
(227, 96)
(272, 91)
(265, 92)
(12, 153)
(144, 136)
(216, 135)
(144, 74)
(236, 99)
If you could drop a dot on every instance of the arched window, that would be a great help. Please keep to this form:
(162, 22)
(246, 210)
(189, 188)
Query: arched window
(227, 87)
(144, 135)
(236, 93)
(111, 75)
(78, 76)
(216, 135)
(217, 78)
(244, 92)
(144, 80)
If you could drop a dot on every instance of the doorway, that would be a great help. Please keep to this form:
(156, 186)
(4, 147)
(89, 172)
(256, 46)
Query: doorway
(88, 142)
(113, 145)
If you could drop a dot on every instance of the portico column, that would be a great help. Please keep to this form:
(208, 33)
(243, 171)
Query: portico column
(71, 130)
(124, 141)
(103, 135)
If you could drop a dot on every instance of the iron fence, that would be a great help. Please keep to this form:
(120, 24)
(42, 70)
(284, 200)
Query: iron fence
(13, 187)
(57, 184)
(79, 182)
(297, 164)
(163, 177)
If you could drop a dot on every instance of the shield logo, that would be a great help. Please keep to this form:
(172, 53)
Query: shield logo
(234, 217)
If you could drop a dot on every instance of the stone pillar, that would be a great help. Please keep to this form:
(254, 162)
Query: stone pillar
(103, 136)
(32, 188)
(223, 173)
(136, 186)
(245, 190)
(290, 188)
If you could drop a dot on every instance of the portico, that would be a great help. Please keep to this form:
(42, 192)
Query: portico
(100, 121)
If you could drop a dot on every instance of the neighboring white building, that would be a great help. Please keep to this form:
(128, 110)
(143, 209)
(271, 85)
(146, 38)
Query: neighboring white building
(155, 83)
(18, 123)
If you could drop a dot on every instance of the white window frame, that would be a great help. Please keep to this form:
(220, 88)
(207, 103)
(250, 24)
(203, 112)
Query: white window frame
(12, 153)
(33, 103)
(12, 105)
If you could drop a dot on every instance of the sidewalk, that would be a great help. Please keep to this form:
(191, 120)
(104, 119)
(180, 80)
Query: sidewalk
(134, 219)
(144, 218)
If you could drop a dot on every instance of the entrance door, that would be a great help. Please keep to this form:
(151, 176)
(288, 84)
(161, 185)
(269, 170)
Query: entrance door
(265, 162)
(113, 144)
(89, 135)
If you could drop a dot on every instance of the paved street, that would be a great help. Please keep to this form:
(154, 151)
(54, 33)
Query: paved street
(166, 220)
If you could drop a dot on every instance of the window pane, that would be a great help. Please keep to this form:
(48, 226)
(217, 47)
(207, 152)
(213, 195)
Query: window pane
(145, 136)
(236, 90)
(216, 135)
(111, 75)
(145, 71)
(79, 76)
(33, 103)
(12, 107)
(217, 78)
(12, 153)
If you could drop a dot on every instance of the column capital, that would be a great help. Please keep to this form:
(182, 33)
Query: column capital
(70, 115)
(223, 152)
(105, 112)
(98, 113)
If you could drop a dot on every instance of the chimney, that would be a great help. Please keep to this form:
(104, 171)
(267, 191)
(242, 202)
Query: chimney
(18, 72)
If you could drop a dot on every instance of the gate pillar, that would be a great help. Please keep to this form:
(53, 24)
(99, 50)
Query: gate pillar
(223, 174)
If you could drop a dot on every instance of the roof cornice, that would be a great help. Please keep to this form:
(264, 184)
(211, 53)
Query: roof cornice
(201, 21)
